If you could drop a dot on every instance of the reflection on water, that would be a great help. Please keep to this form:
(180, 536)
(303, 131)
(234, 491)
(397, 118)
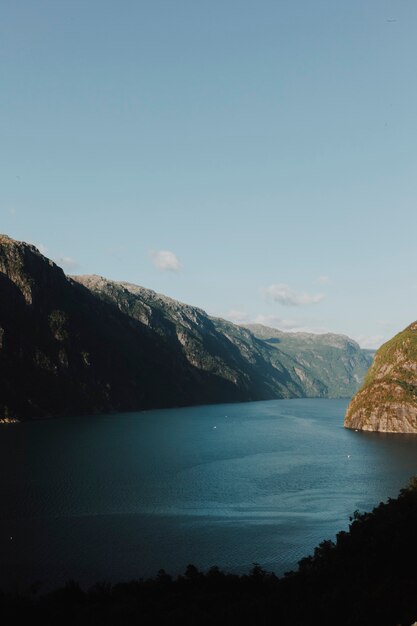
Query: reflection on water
(116, 497)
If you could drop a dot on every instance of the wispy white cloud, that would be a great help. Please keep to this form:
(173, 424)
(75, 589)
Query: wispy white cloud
(322, 280)
(42, 249)
(370, 341)
(290, 325)
(165, 260)
(273, 321)
(277, 322)
(281, 293)
(237, 317)
(67, 263)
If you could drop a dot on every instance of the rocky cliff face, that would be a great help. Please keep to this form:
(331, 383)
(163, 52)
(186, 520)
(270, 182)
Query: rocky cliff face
(387, 402)
(88, 345)
(210, 346)
(64, 351)
(84, 344)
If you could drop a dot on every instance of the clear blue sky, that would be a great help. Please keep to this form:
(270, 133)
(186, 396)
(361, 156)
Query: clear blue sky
(267, 148)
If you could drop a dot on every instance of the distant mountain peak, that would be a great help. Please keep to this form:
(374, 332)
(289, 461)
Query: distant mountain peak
(27, 267)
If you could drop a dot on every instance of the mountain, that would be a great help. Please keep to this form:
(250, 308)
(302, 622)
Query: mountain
(387, 401)
(85, 344)
(326, 365)
(64, 350)
(212, 346)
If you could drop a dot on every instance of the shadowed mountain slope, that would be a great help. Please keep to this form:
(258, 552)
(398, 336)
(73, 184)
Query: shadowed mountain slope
(85, 344)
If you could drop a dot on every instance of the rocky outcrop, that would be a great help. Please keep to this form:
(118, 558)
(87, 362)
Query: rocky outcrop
(387, 402)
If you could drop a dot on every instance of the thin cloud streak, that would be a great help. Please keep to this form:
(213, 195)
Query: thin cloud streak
(281, 293)
(372, 342)
(42, 249)
(277, 322)
(272, 321)
(323, 280)
(67, 263)
(237, 317)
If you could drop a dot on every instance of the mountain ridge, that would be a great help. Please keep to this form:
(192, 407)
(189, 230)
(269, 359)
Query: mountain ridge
(86, 344)
(333, 363)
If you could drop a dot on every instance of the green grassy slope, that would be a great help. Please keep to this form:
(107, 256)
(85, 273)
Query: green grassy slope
(326, 365)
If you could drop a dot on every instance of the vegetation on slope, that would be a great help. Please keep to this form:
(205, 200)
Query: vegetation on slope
(387, 400)
(327, 365)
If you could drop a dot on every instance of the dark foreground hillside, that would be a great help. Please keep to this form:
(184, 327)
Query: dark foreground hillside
(368, 577)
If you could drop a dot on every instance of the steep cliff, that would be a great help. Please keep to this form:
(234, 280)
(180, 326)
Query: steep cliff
(68, 349)
(64, 351)
(387, 401)
(209, 345)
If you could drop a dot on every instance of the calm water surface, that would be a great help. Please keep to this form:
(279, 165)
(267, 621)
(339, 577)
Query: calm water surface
(121, 496)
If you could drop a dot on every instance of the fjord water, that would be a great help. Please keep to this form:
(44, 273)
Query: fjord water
(120, 496)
